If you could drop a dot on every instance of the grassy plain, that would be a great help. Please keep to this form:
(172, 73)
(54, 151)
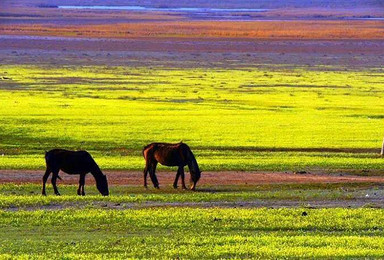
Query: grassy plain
(192, 233)
(234, 119)
(138, 223)
(240, 102)
(272, 94)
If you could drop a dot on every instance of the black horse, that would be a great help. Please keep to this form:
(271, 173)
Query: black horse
(170, 155)
(73, 162)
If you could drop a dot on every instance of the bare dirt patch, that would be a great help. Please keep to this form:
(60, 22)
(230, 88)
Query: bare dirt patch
(303, 29)
(361, 191)
(270, 203)
(208, 178)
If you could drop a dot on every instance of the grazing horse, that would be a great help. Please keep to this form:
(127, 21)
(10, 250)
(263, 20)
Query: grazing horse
(170, 155)
(73, 162)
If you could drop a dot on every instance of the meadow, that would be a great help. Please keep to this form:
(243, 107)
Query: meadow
(215, 222)
(192, 233)
(297, 88)
(258, 118)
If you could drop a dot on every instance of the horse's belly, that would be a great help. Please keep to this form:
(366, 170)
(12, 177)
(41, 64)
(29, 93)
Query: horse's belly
(74, 170)
(169, 160)
(165, 163)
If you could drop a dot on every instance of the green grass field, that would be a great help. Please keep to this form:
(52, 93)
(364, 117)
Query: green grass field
(266, 93)
(274, 118)
(233, 119)
(168, 224)
(192, 233)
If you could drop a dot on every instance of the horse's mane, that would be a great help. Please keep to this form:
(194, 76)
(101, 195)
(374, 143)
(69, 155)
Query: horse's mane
(192, 158)
(154, 144)
(96, 169)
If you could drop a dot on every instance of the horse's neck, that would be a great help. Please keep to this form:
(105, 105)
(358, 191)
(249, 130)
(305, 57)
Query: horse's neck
(192, 163)
(96, 172)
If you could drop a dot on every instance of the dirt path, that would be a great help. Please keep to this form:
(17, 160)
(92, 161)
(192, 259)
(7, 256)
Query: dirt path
(208, 178)
(311, 204)
(363, 198)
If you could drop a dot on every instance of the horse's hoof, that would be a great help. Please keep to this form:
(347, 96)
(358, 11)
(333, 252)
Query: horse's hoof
(157, 187)
(57, 194)
(175, 186)
(44, 194)
(184, 188)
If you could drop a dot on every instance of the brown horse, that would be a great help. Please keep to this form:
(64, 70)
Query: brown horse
(170, 155)
(73, 162)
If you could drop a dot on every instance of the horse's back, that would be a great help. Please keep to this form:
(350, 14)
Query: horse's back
(60, 154)
(71, 162)
(169, 154)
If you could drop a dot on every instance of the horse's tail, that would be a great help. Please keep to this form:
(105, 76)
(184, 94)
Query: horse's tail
(47, 156)
(145, 148)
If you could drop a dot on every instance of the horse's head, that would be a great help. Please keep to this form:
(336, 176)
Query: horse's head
(195, 176)
(102, 184)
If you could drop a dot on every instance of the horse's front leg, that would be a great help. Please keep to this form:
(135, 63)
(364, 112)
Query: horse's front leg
(53, 181)
(177, 177)
(80, 190)
(45, 178)
(182, 178)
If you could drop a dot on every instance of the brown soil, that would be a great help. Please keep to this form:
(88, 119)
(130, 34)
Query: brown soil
(357, 203)
(208, 178)
(253, 30)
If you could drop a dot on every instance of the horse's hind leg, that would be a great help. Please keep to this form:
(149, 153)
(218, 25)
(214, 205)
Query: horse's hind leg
(145, 175)
(177, 177)
(80, 190)
(53, 180)
(45, 178)
(152, 174)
